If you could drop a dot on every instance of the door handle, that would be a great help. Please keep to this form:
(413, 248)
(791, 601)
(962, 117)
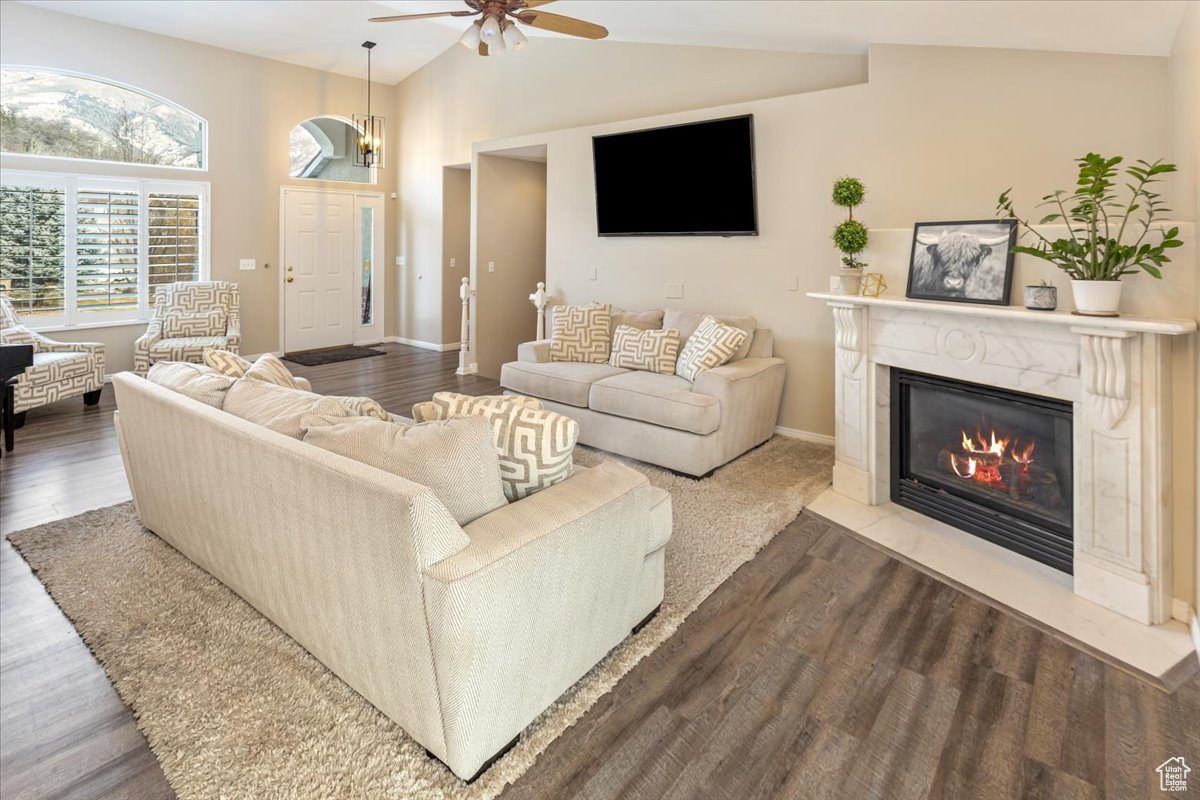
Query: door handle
(290, 279)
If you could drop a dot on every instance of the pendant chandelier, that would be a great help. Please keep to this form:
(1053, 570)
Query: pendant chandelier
(369, 128)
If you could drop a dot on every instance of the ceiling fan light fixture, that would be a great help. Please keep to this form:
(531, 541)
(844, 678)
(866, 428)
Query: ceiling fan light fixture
(470, 38)
(513, 37)
(489, 31)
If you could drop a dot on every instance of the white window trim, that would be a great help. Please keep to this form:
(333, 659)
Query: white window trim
(69, 183)
(204, 166)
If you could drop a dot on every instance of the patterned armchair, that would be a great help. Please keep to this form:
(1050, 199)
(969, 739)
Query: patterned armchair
(189, 318)
(60, 369)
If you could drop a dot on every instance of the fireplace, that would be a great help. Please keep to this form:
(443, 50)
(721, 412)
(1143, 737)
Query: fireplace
(992, 462)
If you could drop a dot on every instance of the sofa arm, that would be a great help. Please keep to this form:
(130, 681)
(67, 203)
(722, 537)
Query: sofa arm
(45, 345)
(548, 585)
(563, 509)
(537, 352)
(721, 381)
(750, 392)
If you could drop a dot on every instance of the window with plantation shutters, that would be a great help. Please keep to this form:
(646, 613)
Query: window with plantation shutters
(106, 250)
(85, 250)
(32, 258)
(174, 246)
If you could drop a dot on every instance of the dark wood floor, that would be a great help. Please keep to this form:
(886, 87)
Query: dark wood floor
(823, 668)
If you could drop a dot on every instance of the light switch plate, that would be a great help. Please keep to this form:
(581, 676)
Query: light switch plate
(247, 263)
(674, 291)
(793, 284)
(453, 263)
(399, 261)
(491, 266)
(592, 274)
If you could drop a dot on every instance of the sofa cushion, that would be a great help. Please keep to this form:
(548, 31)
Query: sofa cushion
(665, 400)
(281, 409)
(535, 446)
(186, 324)
(196, 381)
(226, 362)
(563, 382)
(686, 322)
(650, 350)
(581, 333)
(454, 457)
(651, 320)
(713, 344)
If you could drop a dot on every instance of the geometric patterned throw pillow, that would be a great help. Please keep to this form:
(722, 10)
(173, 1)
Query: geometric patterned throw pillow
(270, 369)
(225, 362)
(649, 350)
(581, 334)
(534, 445)
(709, 347)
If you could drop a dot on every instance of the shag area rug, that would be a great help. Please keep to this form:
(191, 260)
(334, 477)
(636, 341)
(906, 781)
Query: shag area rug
(233, 707)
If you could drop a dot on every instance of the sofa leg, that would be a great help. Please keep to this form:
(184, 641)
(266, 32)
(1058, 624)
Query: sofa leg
(646, 621)
(93, 397)
(18, 421)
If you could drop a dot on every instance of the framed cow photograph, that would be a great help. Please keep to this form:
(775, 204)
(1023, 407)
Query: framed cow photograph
(962, 262)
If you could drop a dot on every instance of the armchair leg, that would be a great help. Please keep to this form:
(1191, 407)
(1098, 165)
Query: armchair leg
(93, 397)
(18, 421)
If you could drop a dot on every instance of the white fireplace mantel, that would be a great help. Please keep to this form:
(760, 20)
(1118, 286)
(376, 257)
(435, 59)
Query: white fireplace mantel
(1114, 371)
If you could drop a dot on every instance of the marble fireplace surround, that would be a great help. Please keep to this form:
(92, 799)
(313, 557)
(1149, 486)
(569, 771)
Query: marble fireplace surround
(1114, 371)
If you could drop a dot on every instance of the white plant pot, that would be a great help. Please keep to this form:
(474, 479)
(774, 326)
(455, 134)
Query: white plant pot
(847, 281)
(1096, 298)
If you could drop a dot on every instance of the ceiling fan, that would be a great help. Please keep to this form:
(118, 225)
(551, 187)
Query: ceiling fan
(495, 30)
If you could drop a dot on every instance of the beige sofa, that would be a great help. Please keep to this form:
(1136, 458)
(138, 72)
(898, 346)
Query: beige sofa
(461, 635)
(661, 419)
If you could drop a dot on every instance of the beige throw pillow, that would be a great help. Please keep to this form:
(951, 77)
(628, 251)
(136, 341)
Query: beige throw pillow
(710, 346)
(455, 457)
(581, 334)
(651, 320)
(196, 381)
(226, 363)
(535, 446)
(281, 409)
(649, 350)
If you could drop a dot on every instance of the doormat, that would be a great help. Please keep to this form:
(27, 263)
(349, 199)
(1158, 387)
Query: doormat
(314, 358)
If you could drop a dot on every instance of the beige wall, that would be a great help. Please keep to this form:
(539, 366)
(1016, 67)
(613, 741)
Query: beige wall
(936, 134)
(511, 234)
(250, 103)
(1184, 132)
(456, 245)
(460, 98)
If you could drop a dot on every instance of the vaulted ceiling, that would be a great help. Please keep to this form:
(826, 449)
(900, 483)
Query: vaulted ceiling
(326, 34)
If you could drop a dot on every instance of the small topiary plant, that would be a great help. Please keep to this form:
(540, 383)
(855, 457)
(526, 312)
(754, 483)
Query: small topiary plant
(850, 237)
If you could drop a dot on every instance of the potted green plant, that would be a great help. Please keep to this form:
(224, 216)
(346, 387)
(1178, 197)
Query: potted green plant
(1106, 238)
(850, 236)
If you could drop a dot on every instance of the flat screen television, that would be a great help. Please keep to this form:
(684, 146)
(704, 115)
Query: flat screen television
(684, 180)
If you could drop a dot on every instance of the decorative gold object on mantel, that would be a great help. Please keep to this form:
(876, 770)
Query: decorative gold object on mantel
(873, 284)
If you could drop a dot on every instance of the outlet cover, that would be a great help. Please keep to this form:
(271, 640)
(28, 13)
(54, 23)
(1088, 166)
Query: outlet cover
(399, 261)
(491, 266)
(592, 274)
(674, 291)
(453, 263)
(247, 263)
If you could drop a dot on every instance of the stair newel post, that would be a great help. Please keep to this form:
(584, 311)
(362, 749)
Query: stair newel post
(465, 292)
(539, 299)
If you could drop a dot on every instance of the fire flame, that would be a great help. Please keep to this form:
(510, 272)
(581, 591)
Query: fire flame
(982, 456)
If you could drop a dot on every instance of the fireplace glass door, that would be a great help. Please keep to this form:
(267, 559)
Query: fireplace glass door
(991, 462)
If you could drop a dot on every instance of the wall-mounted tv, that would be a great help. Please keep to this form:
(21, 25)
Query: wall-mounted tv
(684, 180)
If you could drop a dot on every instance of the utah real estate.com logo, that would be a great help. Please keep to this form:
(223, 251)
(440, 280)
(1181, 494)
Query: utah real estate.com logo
(1172, 775)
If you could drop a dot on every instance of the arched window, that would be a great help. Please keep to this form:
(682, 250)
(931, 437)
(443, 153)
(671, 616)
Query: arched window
(44, 112)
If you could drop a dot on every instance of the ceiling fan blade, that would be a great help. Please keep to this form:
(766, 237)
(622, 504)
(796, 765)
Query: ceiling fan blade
(517, 5)
(425, 16)
(560, 24)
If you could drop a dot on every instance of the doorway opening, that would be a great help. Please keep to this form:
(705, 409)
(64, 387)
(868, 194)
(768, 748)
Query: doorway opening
(510, 252)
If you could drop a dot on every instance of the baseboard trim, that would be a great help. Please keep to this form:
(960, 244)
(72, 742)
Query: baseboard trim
(806, 436)
(1194, 628)
(1180, 610)
(440, 348)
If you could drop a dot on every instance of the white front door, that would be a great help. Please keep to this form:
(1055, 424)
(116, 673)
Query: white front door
(320, 278)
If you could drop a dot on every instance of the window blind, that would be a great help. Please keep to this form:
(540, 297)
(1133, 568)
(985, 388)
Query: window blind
(106, 242)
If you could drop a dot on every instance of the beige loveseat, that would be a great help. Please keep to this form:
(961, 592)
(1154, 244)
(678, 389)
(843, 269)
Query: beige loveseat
(666, 420)
(461, 635)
